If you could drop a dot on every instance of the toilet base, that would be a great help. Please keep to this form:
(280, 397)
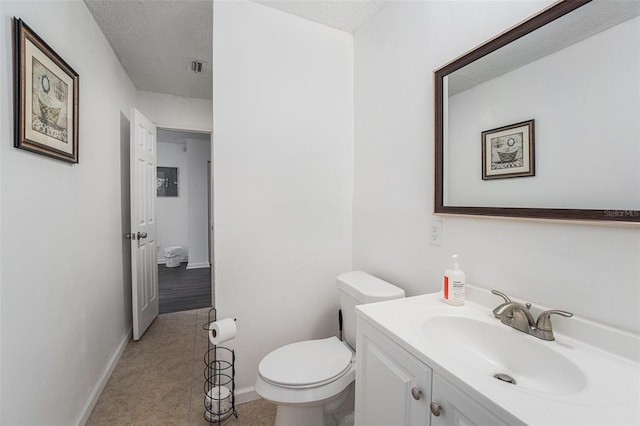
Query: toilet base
(287, 415)
(337, 411)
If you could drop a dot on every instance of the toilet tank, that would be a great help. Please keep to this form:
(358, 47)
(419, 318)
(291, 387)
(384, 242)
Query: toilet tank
(357, 288)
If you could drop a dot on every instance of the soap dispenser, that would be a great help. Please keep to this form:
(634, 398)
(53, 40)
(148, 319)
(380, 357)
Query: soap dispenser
(454, 280)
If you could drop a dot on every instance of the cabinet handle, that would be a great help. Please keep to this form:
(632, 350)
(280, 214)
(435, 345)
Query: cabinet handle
(435, 409)
(415, 393)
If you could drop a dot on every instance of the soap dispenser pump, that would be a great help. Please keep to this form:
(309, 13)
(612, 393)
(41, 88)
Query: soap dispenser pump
(454, 281)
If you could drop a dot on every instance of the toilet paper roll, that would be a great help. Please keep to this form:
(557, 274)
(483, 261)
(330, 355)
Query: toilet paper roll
(218, 404)
(222, 330)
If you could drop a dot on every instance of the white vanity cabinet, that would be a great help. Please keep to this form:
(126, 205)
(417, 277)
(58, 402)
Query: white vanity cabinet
(395, 388)
(392, 386)
(455, 408)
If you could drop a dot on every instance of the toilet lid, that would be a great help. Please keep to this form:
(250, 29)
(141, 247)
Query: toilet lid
(312, 362)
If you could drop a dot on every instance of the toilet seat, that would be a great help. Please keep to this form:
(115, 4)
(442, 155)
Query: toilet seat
(309, 395)
(306, 364)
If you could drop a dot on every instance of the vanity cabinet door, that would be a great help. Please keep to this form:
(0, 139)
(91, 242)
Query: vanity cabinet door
(392, 387)
(451, 407)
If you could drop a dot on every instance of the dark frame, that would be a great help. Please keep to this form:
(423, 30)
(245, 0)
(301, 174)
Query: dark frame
(529, 152)
(170, 181)
(44, 135)
(546, 16)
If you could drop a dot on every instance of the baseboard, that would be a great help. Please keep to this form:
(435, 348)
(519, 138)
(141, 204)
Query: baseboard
(198, 265)
(104, 378)
(247, 394)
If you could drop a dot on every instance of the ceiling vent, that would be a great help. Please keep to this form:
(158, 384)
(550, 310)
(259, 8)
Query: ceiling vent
(198, 66)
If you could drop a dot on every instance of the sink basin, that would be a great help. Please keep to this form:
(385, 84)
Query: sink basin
(490, 349)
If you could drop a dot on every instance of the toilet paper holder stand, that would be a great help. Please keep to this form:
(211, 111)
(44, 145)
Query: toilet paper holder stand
(219, 379)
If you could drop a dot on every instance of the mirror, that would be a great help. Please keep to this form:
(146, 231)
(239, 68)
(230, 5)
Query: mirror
(542, 121)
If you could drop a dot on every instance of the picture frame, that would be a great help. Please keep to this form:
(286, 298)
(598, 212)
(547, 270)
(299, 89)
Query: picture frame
(508, 151)
(167, 181)
(46, 95)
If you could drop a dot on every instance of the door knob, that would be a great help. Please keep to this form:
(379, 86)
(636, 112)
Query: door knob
(142, 235)
(435, 409)
(415, 393)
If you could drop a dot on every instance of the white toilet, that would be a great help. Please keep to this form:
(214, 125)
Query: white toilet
(172, 256)
(312, 382)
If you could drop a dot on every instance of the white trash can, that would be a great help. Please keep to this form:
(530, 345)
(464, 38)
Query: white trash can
(172, 256)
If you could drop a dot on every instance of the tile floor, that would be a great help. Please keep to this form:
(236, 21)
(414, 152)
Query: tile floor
(159, 379)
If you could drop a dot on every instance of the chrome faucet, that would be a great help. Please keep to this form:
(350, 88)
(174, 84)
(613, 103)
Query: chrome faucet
(518, 316)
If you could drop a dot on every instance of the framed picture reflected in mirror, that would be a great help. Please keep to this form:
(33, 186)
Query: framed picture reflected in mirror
(508, 151)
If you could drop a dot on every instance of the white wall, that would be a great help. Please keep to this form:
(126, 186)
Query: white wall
(585, 157)
(175, 112)
(65, 306)
(198, 154)
(283, 158)
(591, 270)
(172, 213)
(5, 102)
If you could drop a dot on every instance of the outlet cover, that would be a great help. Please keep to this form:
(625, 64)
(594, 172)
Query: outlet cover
(435, 234)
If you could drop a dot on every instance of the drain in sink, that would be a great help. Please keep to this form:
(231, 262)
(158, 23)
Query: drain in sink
(505, 378)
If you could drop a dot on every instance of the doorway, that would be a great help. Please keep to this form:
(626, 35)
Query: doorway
(183, 220)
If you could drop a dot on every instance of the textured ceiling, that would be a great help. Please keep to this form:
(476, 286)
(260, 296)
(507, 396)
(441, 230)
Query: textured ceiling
(579, 25)
(156, 41)
(345, 15)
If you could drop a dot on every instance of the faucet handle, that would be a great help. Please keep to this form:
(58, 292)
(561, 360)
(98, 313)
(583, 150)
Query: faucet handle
(497, 312)
(504, 296)
(544, 320)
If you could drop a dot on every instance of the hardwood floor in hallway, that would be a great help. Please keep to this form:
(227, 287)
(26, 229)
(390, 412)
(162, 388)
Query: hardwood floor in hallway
(182, 289)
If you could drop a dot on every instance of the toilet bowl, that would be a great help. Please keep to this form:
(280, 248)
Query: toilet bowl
(312, 382)
(309, 381)
(172, 256)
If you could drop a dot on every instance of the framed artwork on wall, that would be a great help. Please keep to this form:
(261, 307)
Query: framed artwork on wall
(508, 151)
(45, 97)
(167, 181)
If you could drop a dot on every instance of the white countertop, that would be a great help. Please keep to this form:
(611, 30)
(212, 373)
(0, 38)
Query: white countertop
(606, 391)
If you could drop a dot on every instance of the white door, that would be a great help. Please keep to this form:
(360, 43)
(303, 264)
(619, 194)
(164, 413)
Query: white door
(144, 265)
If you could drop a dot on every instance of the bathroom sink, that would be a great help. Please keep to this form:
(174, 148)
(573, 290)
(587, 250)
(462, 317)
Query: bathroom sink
(588, 375)
(495, 349)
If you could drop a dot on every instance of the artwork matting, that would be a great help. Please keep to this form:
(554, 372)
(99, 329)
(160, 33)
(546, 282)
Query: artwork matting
(46, 97)
(508, 151)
